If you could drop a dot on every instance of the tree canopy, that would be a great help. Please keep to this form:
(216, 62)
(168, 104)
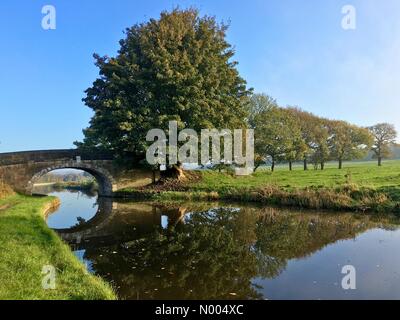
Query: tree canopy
(348, 142)
(384, 135)
(178, 67)
(291, 134)
(276, 134)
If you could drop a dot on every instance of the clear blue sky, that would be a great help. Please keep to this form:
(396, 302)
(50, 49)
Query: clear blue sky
(294, 50)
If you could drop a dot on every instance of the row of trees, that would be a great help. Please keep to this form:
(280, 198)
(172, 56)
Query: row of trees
(291, 134)
(180, 67)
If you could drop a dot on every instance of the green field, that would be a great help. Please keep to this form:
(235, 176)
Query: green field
(363, 174)
(359, 186)
(27, 245)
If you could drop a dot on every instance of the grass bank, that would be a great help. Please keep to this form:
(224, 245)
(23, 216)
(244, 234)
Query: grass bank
(357, 187)
(27, 245)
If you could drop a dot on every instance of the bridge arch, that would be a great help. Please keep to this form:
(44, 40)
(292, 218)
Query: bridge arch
(103, 177)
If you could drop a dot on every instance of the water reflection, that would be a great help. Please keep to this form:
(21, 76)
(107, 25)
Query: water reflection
(225, 251)
(77, 206)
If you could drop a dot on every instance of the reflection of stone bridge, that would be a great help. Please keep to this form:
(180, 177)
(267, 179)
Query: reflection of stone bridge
(22, 169)
(117, 222)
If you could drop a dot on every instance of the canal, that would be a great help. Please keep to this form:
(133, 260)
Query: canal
(228, 251)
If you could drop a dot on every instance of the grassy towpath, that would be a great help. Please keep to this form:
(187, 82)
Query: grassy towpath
(27, 245)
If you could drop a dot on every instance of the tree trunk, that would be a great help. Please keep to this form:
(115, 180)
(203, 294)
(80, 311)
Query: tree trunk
(273, 165)
(340, 163)
(290, 165)
(305, 164)
(173, 172)
(322, 165)
(380, 161)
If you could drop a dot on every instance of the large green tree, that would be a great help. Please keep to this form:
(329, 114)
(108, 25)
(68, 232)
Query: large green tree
(178, 67)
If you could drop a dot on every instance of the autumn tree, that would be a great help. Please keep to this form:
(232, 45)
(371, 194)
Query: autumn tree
(257, 104)
(348, 142)
(274, 134)
(384, 135)
(296, 149)
(178, 67)
(320, 148)
(307, 122)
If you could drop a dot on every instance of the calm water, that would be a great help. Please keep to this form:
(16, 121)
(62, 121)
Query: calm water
(226, 251)
(76, 207)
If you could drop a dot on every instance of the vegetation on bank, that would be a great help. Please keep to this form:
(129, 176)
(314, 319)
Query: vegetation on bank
(84, 185)
(361, 187)
(71, 176)
(73, 180)
(27, 245)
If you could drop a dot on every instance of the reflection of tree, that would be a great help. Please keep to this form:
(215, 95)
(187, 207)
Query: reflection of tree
(88, 193)
(215, 253)
(203, 260)
(269, 267)
(81, 221)
(46, 189)
(296, 235)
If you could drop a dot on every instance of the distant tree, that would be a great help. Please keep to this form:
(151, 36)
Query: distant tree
(384, 135)
(178, 67)
(314, 137)
(305, 143)
(348, 142)
(295, 151)
(275, 130)
(259, 160)
(259, 103)
(320, 146)
(304, 121)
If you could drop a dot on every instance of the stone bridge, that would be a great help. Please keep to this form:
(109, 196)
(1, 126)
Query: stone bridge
(21, 170)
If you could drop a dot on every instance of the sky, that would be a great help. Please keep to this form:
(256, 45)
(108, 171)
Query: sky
(293, 50)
